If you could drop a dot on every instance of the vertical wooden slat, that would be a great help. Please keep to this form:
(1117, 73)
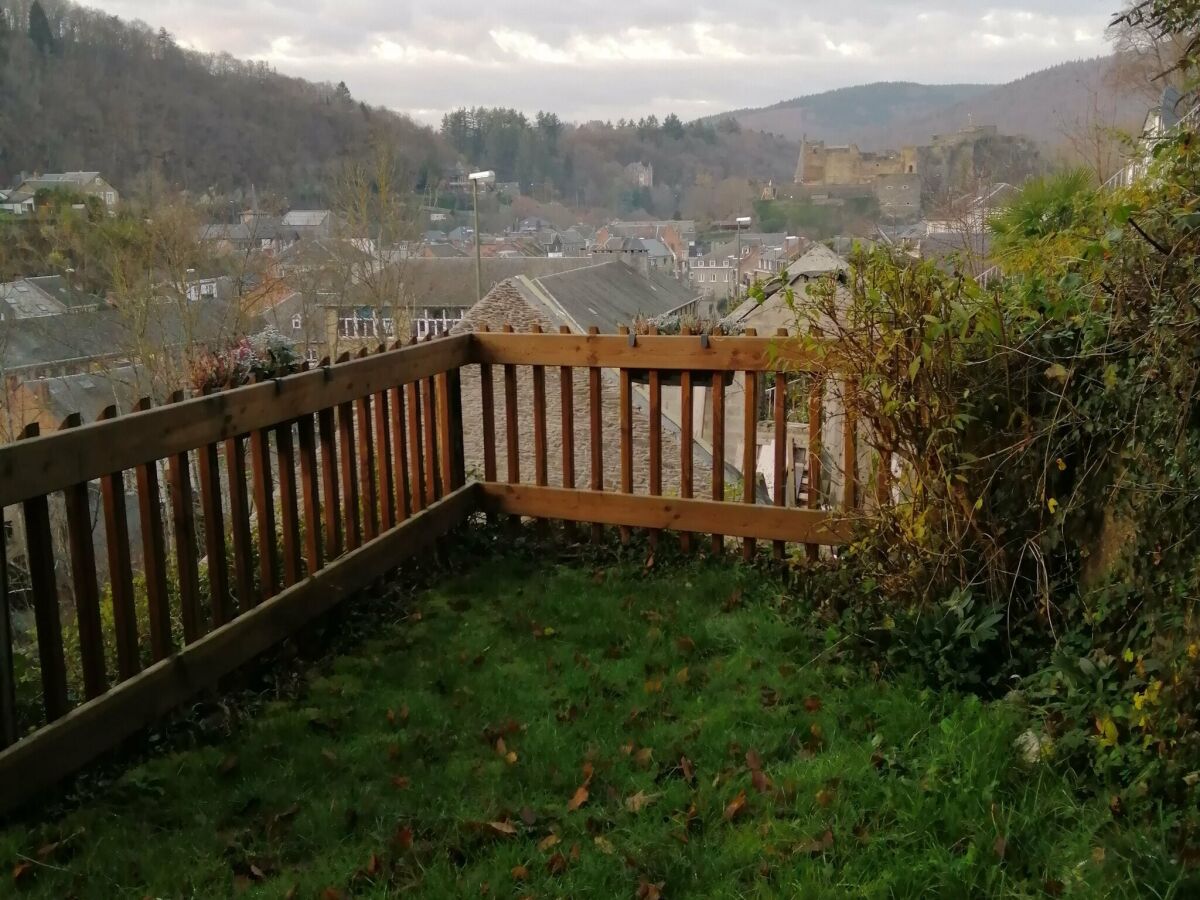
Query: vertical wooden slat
(83, 582)
(209, 466)
(655, 388)
(596, 436)
(351, 529)
(239, 523)
(816, 407)
(488, 402)
(511, 420)
(850, 450)
(400, 447)
(310, 492)
(330, 493)
(718, 451)
(540, 449)
(750, 448)
(626, 427)
(383, 461)
(264, 510)
(8, 679)
(368, 490)
(779, 485)
(686, 442)
(433, 487)
(39, 544)
(566, 385)
(458, 449)
(154, 554)
(446, 432)
(289, 512)
(120, 568)
(183, 517)
(416, 478)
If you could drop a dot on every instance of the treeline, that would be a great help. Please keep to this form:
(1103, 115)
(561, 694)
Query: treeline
(584, 165)
(80, 89)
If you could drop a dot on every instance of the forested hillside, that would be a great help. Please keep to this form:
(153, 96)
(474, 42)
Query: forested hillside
(80, 89)
(584, 164)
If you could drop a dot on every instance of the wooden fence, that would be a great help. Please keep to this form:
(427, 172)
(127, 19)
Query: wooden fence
(289, 495)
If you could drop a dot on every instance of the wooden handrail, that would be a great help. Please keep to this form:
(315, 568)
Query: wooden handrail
(688, 353)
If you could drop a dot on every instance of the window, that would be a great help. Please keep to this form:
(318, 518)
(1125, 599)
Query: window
(297, 322)
(312, 354)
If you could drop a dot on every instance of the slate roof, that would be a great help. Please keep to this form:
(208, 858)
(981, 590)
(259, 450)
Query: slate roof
(820, 260)
(108, 333)
(306, 218)
(89, 394)
(608, 294)
(42, 296)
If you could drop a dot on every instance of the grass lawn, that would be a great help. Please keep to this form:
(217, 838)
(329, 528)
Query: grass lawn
(530, 730)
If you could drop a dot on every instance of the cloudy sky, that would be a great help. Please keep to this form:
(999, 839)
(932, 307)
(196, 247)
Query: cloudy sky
(620, 58)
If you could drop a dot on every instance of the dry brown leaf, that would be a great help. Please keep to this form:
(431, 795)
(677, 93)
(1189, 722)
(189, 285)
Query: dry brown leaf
(373, 865)
(580, 797)
(650, 890)
(557, 864)
(813, 704)
(547, 842)
(644, 757)
(1000, 846)
(753, 760)
(403, 837)
(736, 806)
(520, 873)
(604, 845)
(401, 782)
(689, 771)
(825, 798)
(504, 827)
(511, 757)
(21, 871)
(654, 686)
(761, 782)
(681, 677)
(685, 645)
(639, 801)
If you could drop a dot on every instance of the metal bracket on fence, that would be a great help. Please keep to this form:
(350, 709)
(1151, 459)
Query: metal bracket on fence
(704, 340)
(278, 385)
(327, 368)
(632, 339)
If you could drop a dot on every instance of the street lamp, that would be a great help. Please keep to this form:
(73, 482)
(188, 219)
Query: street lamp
(487, 178)
(737, 288)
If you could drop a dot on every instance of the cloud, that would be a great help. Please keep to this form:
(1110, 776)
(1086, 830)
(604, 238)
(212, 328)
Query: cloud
(628, 58)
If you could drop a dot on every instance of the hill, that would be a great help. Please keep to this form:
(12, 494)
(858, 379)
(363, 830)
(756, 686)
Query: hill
(94, 92)
(1045, 106)
(845, 113)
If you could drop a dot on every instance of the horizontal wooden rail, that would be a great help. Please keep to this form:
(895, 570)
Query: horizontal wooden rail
(50, 463)
(40, 760)
(662, 352)
(768, 523)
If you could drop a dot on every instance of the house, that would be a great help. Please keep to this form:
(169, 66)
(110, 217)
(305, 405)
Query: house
(47, 295)
(1163, 118)
(47, 402)
(679, 236)
(89, 184)
(640, 174)
(310, 223)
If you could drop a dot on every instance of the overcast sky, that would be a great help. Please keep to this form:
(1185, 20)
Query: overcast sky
(587, 59)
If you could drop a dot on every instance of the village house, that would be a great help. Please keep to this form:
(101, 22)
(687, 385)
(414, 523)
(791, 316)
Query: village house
(46, 295)
(89, 184)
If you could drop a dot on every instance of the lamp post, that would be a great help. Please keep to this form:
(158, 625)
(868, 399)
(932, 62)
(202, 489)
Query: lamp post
(737, 288)
(486, 177)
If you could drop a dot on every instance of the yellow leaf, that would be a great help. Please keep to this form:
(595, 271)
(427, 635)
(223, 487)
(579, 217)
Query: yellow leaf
(1052, 505)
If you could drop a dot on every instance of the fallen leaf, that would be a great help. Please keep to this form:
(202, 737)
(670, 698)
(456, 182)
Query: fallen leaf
(580, 798)
(47, 850)
(735, 807)
(228, 764)
(681, 677)
(688, 770)
(575, 852)
(547, 842)
(761, 782)
(21, 871)
(644, 757)
(557, 864)
(823, 844)
(753, 760)
(528, 816)
(504, 827)
(1000, 846)
(685, 645)
(330, 756)
(403, 837)
(627, 749)
(604, 845)
(654, 686)
(734, 601)
(650, 891)
(501, 747)
(519, 873)
(588, 771)
(812, 704)
(639, 801)
(401, 782)
(391, 717)
(373, 865)
(331, 893)
(825, 797)
(511, 757)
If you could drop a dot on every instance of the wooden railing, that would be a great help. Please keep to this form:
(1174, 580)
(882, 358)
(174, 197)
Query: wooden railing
(287, 496)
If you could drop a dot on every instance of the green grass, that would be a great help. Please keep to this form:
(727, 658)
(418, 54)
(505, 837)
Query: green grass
(387, 774)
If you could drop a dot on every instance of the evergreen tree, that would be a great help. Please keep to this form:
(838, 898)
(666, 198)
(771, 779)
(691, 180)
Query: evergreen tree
(39, 28)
